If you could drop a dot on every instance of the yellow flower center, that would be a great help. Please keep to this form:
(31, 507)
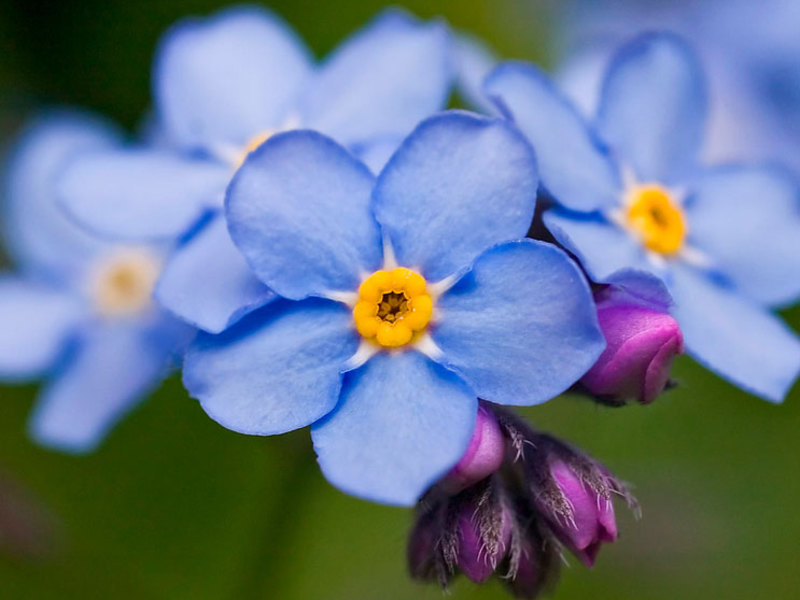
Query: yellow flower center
(393, 306)
(251, 145)
(656, 218)
(123, 283)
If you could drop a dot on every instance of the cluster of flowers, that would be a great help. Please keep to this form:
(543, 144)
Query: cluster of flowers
(326, 246)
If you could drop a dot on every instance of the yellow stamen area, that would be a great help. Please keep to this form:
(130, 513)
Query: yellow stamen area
(253, 144)
(393, 306)
(123, 283)
(656, 218)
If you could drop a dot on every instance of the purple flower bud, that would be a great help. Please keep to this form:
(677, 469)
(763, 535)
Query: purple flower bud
(641, 344)
(483, 539)
(483, 456)
(586, 520)
(421, 550)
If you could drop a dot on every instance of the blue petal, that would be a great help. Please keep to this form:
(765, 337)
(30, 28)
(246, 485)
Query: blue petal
(299, 210)
(631, 286)
(402, 423)
(601, 247)
(521, 327)
(228, 78)
(36, 231)
(206, 281)
(653, 108)
(114, 368)
(141, 194)
(458, 185)
(474, 61)
(37, 325)
(575, 168)
(376, 153)
(747, 219)
(277, 370)
(735, 337)
(382, 81)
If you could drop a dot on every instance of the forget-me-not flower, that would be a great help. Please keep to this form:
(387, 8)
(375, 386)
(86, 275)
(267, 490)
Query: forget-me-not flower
(633, 194)
(404, 299)
(749, 50)
(222, 86)
(78, 310)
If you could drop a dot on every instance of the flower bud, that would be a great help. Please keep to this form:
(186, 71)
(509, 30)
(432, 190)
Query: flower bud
(641, 344)
(483, 456)
(484, 535)
(580, 517)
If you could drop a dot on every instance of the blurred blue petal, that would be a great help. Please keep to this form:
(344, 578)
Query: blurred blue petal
(458, 185)
(734, 337)
(277, 370)
(141, 194)
(747, 220)
(521, 327)
(299, 210)
(377, 152)
(228, 78)
(207, 283)
(37, 324)
(403, 422)
(601, 247)
(114, 367)
(382, 81)
(35, 229)
(474, 60)
(653, 108)
(574, 166)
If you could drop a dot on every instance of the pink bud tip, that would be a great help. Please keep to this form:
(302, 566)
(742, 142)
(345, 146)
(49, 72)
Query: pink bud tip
(483, 456)
(641, 345)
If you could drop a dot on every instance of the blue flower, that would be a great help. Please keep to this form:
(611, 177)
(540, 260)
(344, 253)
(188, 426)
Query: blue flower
(749, 49)
(78, 310)
(404, 299)
(222, 86)
(632, 194)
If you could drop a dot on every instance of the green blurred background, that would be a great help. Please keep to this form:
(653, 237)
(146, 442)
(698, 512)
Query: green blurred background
(174, 506)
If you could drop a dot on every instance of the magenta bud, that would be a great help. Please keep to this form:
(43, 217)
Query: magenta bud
(589, 520)
(641, 344)
(482, 543)
(483, 456)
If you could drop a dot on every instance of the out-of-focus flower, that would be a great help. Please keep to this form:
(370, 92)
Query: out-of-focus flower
(78, 310)
(632, 195)
(474, 60)
(405, 299)
(642, 339)
(28, 530)
(223, 86)
(750, 51)
(507, 524)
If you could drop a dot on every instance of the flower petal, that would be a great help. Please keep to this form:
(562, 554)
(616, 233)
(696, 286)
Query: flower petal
(653, 107)
(601, 247)
(402, 422)
(574, 166)
(521, 327)
(747, 220)
(298, 209)
(382, 81)
(37, 324)
(141, 194)
(458, 185)
(275, 371)
(35, 229)
(734, 337)
(207, 283)
(114, 368)
(474, 61)
(225, 79)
